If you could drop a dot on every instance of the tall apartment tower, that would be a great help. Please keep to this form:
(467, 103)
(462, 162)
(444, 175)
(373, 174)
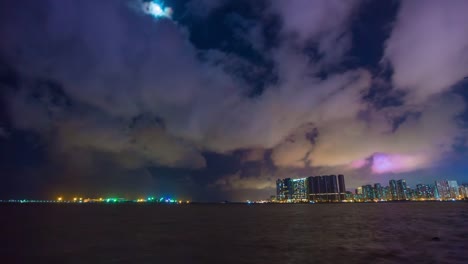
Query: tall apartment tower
(453, 189)
(443, 190)
(280, 190)
(378, 191)
(393, 189)
(342, 187)
(402, 190)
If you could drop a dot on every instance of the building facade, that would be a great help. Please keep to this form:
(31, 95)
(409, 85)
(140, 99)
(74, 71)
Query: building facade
(402, 190)
(326, 188)
(299, 189)
(453, 189)
(342, 187)
(378, 194)
(393, 190)
(443, 191)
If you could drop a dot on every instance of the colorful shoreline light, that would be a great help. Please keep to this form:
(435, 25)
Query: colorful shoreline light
(107, 200)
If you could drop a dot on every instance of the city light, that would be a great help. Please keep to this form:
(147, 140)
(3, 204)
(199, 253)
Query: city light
(313, 189)
(331, 188)
(107, 200)
(111, 200)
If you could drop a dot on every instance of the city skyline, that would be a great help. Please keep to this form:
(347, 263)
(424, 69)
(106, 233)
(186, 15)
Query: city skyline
(331, 188)
(304, 187)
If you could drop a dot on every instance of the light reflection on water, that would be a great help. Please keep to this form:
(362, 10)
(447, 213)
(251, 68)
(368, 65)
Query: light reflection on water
(302, 233)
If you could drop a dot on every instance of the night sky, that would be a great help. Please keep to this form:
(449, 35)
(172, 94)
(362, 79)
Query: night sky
(216, 99)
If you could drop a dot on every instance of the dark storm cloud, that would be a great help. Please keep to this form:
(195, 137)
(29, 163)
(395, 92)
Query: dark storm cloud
(109, 89)
(204, 8)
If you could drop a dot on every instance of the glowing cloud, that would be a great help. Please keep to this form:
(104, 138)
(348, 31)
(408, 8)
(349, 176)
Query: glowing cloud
(357, 164)
(157, 10)
(382, 163)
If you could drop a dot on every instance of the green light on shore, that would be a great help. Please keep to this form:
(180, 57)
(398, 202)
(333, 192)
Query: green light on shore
(112, 200)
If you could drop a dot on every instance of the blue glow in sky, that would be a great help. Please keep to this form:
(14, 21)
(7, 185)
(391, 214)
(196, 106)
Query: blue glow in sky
(157, 9)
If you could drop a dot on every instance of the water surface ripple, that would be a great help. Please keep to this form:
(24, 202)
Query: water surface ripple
(235, 233)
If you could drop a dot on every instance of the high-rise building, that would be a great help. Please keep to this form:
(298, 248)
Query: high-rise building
(386, 194)
(279, 190)
(420, 194)
(378, 191)
(326, 188)
(410, 194)
(318, 185)
(284, 189)
(333, 184)
(314, 187)
(323, 187)
(331, 188)
(341, 187)
(453, 189)
(431, 191)
(464, 190)
(393, 189)
(423, 191)
(402, 190)
(310, 186)
(299, 187)
(443, 190)
(358, 196)
(359, 190)
(288, 188)
(368, 192)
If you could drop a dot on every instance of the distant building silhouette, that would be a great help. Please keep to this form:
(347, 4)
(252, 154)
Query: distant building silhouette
(342, 187)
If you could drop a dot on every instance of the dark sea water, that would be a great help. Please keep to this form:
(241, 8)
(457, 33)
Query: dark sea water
(234, 233)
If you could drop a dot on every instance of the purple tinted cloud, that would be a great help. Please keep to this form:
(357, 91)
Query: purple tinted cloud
(428, 47)
(384, 163)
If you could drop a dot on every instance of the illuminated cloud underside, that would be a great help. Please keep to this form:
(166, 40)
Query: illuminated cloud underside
(382, 163)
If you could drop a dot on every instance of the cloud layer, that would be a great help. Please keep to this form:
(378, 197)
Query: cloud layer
(104, 77)
(428, 48)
